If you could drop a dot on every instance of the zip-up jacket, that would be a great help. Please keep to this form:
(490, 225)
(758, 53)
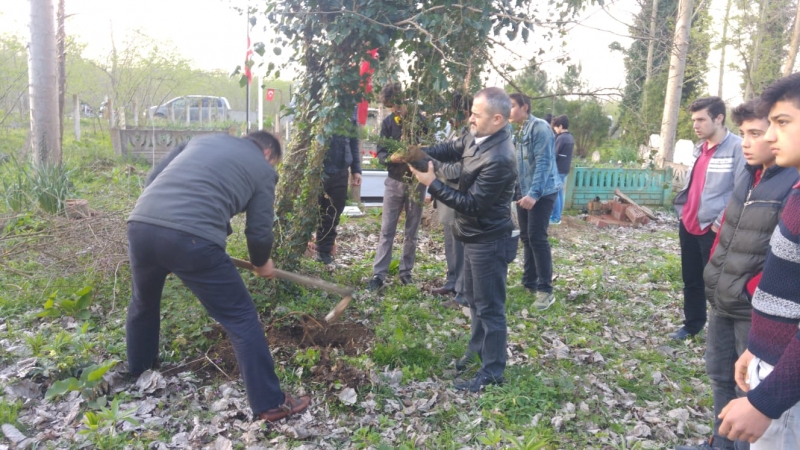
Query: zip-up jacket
(343, 153)
(536, 159)
(726, 165)
(485, 185)
(750, 218)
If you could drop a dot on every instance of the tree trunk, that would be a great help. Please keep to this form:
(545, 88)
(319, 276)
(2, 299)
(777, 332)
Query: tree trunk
(43, 84)
(724, 44)
(789, 67)
(763, 6)
(62, 67)
(651, 46)
(677, 67)
(651, 49)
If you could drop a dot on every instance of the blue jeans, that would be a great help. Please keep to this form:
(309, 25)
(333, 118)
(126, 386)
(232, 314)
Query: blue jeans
(485, 272)
(206, 269)
(558, 207)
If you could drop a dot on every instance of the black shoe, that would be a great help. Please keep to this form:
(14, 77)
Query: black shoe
(680, 334)
(704, 446)
(443, 291)
(465, 361)
(406, 279)
(375, 284)
(324, 258)
(477, 383)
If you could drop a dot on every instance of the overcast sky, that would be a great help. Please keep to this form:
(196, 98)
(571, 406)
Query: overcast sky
(213, 35)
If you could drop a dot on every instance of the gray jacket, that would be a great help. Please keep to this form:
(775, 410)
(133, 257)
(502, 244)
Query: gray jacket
(726, 166)
(214, 178)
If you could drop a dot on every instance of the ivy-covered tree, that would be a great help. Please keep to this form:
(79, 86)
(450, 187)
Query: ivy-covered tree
(437, 45)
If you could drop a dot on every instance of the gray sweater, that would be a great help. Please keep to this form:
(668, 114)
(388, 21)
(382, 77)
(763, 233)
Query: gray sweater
(209, 181)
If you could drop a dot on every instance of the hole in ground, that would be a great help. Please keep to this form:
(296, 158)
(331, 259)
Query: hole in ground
(351, 339)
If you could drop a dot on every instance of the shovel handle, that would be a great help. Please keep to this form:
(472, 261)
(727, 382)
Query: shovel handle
(299, 279)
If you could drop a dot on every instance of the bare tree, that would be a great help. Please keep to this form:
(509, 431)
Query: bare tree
(677, 67)
(787, 69)
(61, 38)
(43, 84)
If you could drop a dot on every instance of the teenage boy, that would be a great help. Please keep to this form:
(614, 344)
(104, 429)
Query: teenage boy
(737, 258)
(718, 163)
(399, 195)
(565, 145)
(769, 370)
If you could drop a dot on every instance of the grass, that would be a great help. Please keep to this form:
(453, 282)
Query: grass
(603, 298)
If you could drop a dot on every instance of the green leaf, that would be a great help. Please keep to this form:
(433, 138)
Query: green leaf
(97, 374)
(277, 50)
(84, 298)
(62, 387)
(258, 47)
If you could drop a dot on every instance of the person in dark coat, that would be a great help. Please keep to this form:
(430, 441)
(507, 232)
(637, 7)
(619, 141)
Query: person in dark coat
(180, 225)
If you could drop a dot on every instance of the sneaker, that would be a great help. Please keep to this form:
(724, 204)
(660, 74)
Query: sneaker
(680, 334)
(465, 361)
(476, 383)
(544, 300)
(452, 304)
(323, 257)
(375, 284)
(406, 279)
(555, 222)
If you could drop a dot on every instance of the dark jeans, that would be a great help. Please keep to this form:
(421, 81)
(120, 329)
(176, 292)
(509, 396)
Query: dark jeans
(454, 252)
(726, 340)
(537, 274)
(206, 269)
(331, 205)
(695, 251)
(485, 271)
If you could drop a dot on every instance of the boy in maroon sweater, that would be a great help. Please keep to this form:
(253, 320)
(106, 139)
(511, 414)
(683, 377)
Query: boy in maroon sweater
(769, 370)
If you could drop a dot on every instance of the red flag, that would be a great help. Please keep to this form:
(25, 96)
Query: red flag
(247, 56)
(270, 94)
(363, 107)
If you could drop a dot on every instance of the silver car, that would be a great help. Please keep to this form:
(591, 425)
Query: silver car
(213, 108)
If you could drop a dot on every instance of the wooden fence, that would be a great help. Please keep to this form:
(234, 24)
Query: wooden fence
(644, 186)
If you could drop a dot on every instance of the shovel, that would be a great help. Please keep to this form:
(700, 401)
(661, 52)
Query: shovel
(345, 292)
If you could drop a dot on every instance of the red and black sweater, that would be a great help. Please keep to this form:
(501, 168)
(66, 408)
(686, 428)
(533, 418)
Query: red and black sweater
(774, 336)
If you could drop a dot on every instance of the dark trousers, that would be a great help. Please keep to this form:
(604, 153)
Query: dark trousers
(537, 272)
(331, 205)
(726, 340)
(695, 251)
(206, 269)
(485, 271)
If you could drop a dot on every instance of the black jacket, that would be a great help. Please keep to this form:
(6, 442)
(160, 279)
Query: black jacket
(343, 153)
(750, 217)
(565, 145)
(485, 188)
(392, 128)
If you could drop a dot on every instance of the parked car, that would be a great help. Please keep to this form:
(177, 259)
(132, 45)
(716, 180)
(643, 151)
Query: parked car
(211, 106)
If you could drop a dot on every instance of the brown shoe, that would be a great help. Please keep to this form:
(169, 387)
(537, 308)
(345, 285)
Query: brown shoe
(290, 406)
(442, 291)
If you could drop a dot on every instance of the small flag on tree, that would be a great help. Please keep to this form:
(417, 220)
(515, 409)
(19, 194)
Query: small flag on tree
(270, 94)
(247, 62)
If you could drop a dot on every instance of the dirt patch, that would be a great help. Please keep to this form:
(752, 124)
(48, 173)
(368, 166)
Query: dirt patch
(350, 339)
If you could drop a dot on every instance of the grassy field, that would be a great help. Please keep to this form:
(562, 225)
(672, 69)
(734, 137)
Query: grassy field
(595, 371)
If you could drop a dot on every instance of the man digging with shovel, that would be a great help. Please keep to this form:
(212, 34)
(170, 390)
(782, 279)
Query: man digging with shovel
(180, 224)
